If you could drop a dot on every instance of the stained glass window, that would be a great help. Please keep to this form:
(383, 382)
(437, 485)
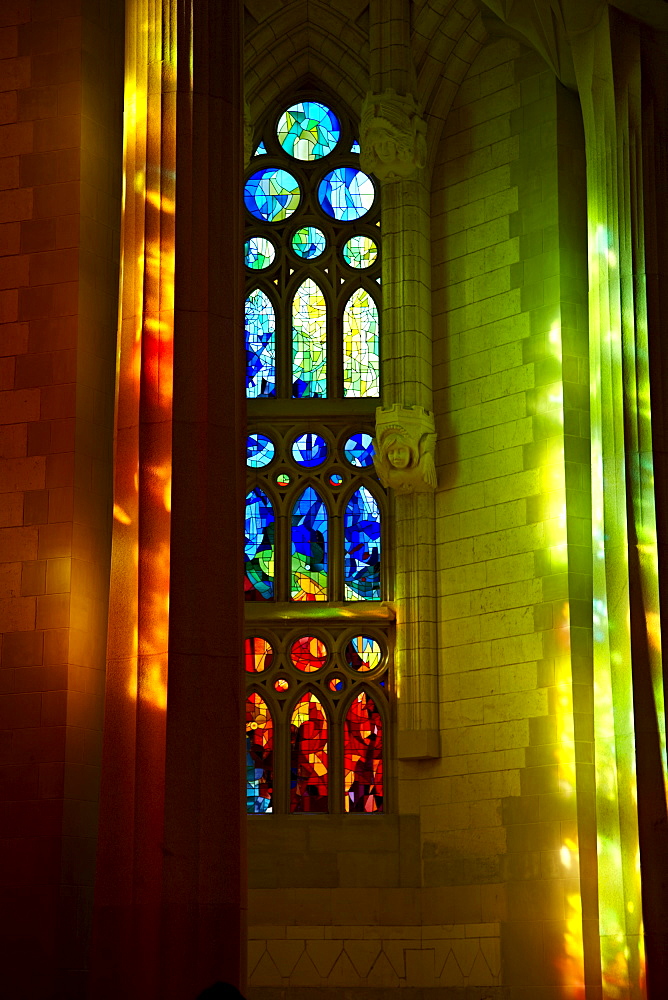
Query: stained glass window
(308, 756)
(361, 366)
(260, 345)
(363, 653)
(261, 151)
(271, 195)
(259, 755)
(308, 653)
(362, 547)
(259, 581)
(309, 242)
(259, 451)
(360, 251)
(259, 253)
(308, 130)
(309, 548)
(359, 450)
(363, 756)
(309, 342)
(346, 194)
(309, 450)
(259, 654)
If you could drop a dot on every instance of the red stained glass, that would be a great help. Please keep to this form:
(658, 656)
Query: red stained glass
(259, 756)
(281, 684)
(363, 756)
(258, 654)
(308, 756)
(308, 654)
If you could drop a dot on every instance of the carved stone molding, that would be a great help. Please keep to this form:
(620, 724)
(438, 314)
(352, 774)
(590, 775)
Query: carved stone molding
(404, 448)
(392, 136)
(249, 145)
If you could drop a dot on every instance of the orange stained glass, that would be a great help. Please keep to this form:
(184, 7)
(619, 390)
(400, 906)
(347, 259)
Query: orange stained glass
(308, 756)
(363, 756)
(258, 654)
(259, 755)
(308, 653)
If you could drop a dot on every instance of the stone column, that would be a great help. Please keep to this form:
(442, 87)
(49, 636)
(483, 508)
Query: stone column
(171, 877)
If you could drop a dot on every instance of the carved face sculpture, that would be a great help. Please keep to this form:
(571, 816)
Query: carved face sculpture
(398, 451)
(383, 143)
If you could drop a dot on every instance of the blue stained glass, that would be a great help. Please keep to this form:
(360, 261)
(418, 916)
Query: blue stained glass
(308, 130)
(259, 451)
(259, 253)
(346, 194)
(260, 345)
(358, 449)
(309, 342)
(309, 242)
(355, 148)
(261, 151)
(259, 555)
(309, 450)
(361, 532)
(271, 194)
(309, 548)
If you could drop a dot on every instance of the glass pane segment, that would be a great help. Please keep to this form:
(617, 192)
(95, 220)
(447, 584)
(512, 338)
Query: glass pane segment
(271, 194)
(308, 131)
(259, 755)
(308, 654)
(309, 242)
(308, 756)
(309, 342)
(309, 450)
(358, 449)
(309, 548)
(259, 253)
(258, 654)
(360, 251)
(346, 194)
(362, 547)
(261, 150)
(363, 756)
(259, 581)
(360, 346)
(355, 148)
(260, 345)
(363, 653)
(259, 451)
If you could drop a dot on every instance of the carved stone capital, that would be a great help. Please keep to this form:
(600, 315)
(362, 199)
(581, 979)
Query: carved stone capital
(404, 448)
(392, 136)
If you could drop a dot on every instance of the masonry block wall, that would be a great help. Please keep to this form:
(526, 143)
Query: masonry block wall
(60, 186)
(476, 884)
(508, 813)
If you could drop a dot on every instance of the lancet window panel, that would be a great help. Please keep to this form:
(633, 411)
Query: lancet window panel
(315, 514)
(317, 718)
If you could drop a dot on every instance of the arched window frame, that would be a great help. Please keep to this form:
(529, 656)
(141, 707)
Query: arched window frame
(335, 418)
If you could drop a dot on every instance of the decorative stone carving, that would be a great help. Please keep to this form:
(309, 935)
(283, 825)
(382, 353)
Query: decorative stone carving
(404, 448)
(392, 136)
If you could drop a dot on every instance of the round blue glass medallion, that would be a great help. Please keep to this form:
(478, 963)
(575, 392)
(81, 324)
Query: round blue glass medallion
(309, 450)
(309, 242)
(271, 194)
(259, 451)
(308, 130)
(346, 194)
(358, 449)
(335, 479)
(259, 253)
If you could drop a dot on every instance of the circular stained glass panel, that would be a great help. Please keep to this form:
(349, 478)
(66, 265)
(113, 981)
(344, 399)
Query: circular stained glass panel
(281, 684)
(309, 242)
(335, 479)
(308, 130)
(336, 684)
(309, 450)
(308, 654)
(259, 451)
(271, 194)
(363, 653)
(360, 251)
(358, 449)
(346, 194)
(259, 253)
(283, 479)
(258, 654)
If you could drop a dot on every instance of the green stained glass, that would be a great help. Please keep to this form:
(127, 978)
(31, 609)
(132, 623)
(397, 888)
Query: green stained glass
(271, 194)
(360, 346)
(309, 342)
(259, 253)
(309, 242)
(308, 130)
(360, 251)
